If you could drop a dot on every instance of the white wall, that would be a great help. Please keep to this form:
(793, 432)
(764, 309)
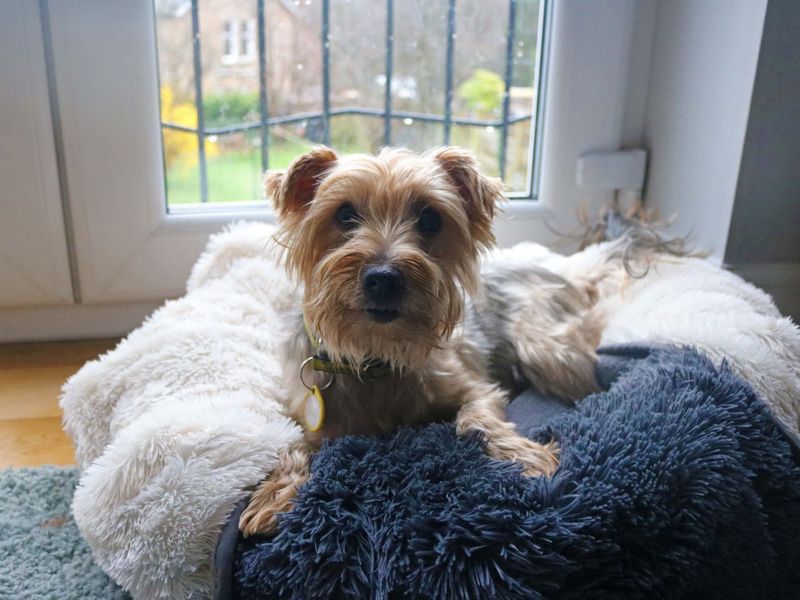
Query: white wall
(704, 61)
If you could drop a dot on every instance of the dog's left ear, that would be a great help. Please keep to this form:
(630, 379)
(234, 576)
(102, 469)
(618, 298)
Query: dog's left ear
(481, 194)
(292, 190)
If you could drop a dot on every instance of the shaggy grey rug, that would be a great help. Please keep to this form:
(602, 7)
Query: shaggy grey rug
(42, 555)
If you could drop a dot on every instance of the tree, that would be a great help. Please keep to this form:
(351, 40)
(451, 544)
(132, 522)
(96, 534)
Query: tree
(482, 92)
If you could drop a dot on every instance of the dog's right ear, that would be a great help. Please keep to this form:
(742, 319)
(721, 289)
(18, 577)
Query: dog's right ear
(293, 189)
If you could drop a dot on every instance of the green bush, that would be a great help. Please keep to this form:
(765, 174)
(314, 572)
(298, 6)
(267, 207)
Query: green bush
(230, 108)
(483, 91)
(355, 133)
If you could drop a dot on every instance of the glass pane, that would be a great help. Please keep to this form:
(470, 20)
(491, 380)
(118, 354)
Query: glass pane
(416, 134)
(420, 59)
(356, 133)
(483, 141)
(334, 90)
(358, 53)
(180, 162)
(518, 155)
(234, 168)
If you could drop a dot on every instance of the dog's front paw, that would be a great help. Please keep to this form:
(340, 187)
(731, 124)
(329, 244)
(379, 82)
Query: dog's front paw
(274, 496)
(536, 459)
(276, 493)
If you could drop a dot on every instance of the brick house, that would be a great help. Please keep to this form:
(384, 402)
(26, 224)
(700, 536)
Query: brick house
(229, 41)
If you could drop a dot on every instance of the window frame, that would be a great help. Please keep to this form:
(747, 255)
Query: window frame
(240, 35)
(247, 40)
(34, 254)
(230, 37)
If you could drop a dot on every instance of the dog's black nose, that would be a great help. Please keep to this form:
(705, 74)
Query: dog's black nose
(383, 284)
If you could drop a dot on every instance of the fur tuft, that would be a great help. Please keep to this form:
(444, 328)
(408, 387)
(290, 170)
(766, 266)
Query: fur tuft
(637, 237)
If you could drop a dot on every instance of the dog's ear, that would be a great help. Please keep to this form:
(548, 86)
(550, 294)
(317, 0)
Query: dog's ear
(481, 194)
(293, 189)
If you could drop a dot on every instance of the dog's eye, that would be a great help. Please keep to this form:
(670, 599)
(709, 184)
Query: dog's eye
(429, 221)
(347, 217)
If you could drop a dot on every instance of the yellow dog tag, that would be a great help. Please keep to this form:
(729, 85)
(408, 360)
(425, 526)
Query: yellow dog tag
(314, 409)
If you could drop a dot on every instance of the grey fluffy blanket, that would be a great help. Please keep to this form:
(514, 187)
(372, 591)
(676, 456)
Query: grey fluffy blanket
(674, 483)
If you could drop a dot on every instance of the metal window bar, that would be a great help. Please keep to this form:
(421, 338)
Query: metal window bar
(448, 93)
(388, 115)
(198, 100)
(262, 85)
(326, 73)
(389, 68)
(512, 25)
(348, 111)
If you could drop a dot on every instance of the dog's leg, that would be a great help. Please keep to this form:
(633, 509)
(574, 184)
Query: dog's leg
(276, 493)
(481, 407)
(484, 412)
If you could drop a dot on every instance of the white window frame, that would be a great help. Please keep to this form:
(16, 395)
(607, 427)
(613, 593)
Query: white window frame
(240, 35)
(230, 42)
(34, 261)
(130, 253)
(247, 40)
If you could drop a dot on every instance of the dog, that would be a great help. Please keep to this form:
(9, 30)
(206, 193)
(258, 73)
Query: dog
(400, 325)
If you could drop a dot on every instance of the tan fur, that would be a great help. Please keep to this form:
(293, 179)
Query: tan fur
(556, 337)
(437, 373)
(276, 493)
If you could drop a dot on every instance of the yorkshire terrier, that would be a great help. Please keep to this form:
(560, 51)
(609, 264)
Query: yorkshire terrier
(400, 325)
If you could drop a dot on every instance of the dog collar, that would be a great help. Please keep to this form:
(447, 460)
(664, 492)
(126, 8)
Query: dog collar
(314, 404)
(320, 361)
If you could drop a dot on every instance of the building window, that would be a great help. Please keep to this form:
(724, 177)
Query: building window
(238, 41)
(230, 41)
(247, 41)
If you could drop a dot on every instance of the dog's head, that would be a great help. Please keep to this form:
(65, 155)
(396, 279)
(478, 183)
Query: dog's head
(386, 245)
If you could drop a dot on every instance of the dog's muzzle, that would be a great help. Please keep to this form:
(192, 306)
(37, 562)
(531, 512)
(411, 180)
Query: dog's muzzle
(383, 287)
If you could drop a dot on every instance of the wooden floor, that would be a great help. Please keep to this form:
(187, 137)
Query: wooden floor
(31, 376)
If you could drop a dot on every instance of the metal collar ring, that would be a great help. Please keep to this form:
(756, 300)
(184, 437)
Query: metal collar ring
(328, 383)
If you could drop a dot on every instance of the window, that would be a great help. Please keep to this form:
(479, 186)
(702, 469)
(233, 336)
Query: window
(90, 235)
(136, 226)
(352, 74)
(248, 40)
(230, 37)
(238, 39)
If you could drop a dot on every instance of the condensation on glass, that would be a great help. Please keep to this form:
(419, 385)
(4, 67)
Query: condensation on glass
(247, 85)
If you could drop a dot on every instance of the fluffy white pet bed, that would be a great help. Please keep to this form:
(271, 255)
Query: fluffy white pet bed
(173, 425)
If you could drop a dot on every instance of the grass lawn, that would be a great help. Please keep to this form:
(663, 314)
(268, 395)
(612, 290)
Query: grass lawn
(232, 176)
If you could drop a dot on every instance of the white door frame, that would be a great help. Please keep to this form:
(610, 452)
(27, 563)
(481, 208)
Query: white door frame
(34, 265)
